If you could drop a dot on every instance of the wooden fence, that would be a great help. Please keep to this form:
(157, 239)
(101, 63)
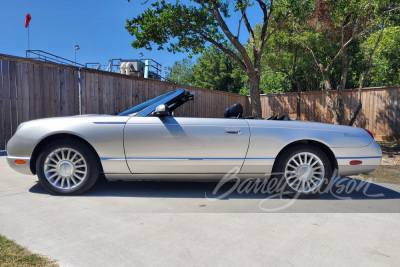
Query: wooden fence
(31, 89)
(380, 112)
(105, 93)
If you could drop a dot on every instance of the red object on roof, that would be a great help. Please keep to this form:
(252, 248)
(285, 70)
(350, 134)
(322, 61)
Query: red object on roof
(28, 19)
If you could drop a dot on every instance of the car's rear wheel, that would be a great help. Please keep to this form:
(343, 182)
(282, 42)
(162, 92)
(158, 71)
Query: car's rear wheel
(67, 167)
(305, 170)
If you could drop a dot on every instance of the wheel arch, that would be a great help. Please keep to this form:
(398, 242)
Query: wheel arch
(54, 137)
(326, 149)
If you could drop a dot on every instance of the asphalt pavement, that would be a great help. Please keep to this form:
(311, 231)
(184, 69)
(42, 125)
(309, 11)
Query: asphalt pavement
(184, 223)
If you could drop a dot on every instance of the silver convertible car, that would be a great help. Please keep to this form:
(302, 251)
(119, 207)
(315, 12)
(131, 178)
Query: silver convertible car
(147, 142)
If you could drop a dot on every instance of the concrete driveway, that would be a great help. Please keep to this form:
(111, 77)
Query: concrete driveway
(150, 223)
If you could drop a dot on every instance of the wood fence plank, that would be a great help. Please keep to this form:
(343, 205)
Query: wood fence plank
(391, 95)
(129, 85)
(107, 95)
(19, 88)
(76, 93)
(7, 100)
(95, 94)
(31, 95)
(370, 110)
(383, 110)
(71, 93)
(114, 94)
(63, 91)
(374, 113)
(25, 93)
(100, 94)
(128, 93)
(83, 91)
(54, 89)
(45, 88)
(2, 110)
(119, 96)
(89, 93)
(38, 72)
(397, 111)
(44, 91)
(13, 95)
(92, 93)
(50, 91)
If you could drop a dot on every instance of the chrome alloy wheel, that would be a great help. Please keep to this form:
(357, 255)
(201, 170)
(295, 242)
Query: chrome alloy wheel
(65, 168)
(304, 172)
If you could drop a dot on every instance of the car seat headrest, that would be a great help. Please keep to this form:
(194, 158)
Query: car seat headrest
(227, 113)
(236, 110)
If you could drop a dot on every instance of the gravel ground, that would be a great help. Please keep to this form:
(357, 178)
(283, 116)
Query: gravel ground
(389, 172)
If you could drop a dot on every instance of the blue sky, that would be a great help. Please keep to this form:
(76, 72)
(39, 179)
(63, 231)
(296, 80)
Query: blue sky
(98, 27)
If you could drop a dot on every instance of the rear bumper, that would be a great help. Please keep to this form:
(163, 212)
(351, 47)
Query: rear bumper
(370, 156)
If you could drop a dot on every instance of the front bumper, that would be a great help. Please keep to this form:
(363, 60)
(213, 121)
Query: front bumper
(19, 148)
(21, 168)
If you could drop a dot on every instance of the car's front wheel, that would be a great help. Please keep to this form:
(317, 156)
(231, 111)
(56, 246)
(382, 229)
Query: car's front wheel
(305, 171)
(67, 167)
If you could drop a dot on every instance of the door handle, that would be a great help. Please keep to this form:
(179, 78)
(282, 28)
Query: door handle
(233, 131)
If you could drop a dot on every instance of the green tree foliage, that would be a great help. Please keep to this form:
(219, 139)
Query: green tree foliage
(386, 66)
(339, 25)
(271, 82)
(213, 70)
(274, 59)
(299, 45)
(218, 71)
(188, 26)
(181, 72)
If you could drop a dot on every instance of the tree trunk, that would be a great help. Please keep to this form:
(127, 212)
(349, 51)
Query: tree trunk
(297, 85)
(298, 101)
(359, 107)
(364, 77)
(343, 80)
(254, 84)
(328, 88)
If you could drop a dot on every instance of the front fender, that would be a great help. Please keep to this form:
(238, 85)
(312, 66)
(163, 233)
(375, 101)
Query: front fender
(103, 133)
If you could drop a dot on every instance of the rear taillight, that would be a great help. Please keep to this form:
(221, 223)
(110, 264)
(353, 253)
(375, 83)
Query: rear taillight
(369, 133)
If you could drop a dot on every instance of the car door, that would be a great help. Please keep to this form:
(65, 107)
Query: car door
(185, 145)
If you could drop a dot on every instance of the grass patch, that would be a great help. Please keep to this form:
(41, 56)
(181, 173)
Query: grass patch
(385, 174)
(12, 254)
(389, 171)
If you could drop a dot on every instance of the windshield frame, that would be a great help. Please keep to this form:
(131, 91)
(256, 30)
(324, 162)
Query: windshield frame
(151, 107)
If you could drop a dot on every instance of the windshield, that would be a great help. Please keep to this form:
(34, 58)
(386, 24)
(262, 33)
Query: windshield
(144, 105)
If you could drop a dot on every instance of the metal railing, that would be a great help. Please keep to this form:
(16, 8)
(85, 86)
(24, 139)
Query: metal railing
(154, 68)
(45, 56)
(95, 65)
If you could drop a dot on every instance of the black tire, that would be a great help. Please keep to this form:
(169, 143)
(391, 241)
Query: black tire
(85, 157)
(279, 172)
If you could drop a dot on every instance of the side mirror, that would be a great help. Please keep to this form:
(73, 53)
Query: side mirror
(161, 111)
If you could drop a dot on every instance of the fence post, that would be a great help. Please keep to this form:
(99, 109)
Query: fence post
(298, 101)
(80, 91)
